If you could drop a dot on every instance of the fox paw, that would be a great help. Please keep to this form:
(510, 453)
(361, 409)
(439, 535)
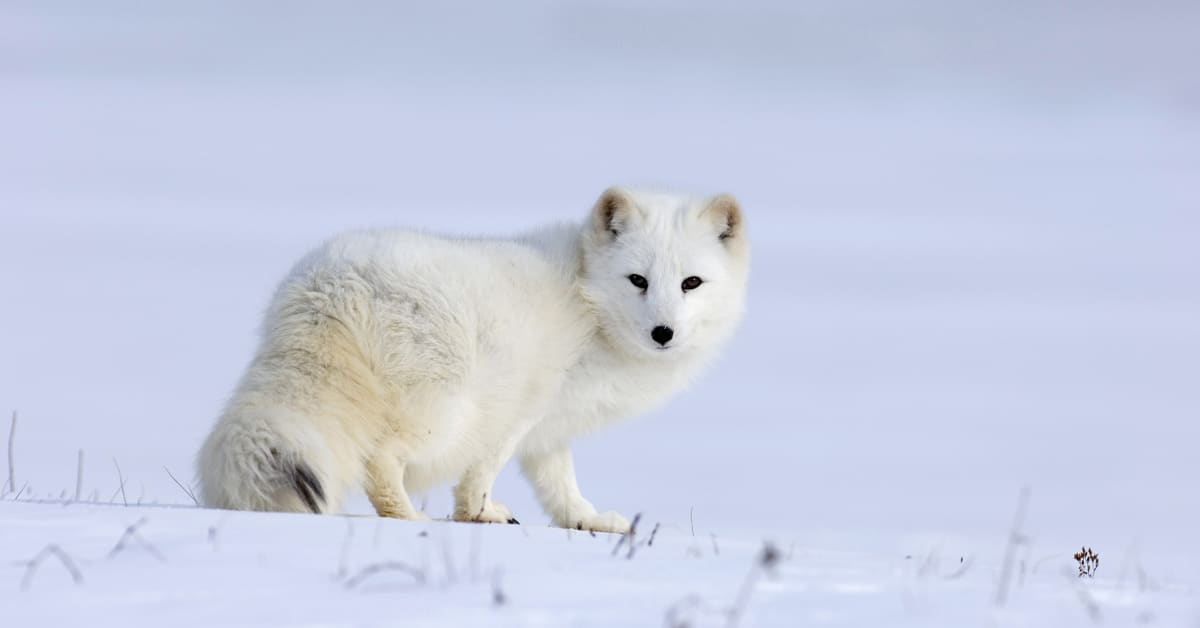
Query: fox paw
(602, 522)
(491, 512)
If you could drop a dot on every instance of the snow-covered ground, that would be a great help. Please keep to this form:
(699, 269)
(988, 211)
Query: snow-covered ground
(977, 268)
(188, 567)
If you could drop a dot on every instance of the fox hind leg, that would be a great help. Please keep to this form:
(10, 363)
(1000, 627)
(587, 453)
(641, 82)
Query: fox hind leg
(385, 486)
(473, 494)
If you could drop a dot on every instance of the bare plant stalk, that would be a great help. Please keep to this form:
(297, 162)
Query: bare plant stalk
(764, 563)
(1015, 539)
(964, 564)
(653, 533)
(187, 491)
(628, 537)
(632, 532)
(347, 541)
(132, 534)
(1089, 603)
(12, 435)
(681, 613)
(473, 555)
(213, 538)
(57, 552)
(121, 479)
(448, 558)
(743, 599)
(498, 596)
(79, 477)
(370, 570)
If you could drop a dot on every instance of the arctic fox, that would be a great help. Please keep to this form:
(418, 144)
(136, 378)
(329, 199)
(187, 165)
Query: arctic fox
(399, 361)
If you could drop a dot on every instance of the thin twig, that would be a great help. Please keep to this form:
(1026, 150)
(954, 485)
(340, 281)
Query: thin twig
(653, 533)
(628, 536)
(214, 532)
(343, 567)
(121, 479)
(392, 565)
(12, 436)
(964, 564)
(633, 530)
(79, 477)
(94, 500)
(928, 563)
(1088, 602)
(448, 558)
(185, 489)
(765, 563)
(131, 533)
(692, 518)
(57, 552)
(682, 613)
(473, 555)
(1015, 539)
(498, 596)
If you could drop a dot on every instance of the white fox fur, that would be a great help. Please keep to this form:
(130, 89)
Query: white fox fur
(400, 361)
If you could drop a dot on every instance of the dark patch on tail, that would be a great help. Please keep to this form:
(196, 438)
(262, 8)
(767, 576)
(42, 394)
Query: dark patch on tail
(308, 487)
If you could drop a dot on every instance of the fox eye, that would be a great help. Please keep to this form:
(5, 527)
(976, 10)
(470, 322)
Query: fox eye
(691, 283)
(638, 281)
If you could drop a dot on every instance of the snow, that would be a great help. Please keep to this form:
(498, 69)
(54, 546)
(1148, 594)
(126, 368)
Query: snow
(183, 566)
(975, 269)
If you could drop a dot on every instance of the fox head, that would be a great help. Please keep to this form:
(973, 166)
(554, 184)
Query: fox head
(665, 275)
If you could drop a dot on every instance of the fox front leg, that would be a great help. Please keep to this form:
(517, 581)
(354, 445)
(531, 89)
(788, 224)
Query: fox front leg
(552, 475)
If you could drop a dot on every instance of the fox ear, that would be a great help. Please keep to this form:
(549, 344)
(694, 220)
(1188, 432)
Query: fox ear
(613, 213)
(724, 213)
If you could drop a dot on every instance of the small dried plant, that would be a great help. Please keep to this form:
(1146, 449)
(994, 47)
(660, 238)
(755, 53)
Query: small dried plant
(1089, 562)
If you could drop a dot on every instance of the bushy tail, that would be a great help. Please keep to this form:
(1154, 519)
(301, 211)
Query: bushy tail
(253, 465)
(307, 486)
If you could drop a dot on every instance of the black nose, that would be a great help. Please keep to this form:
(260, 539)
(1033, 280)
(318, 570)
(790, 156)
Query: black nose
(662, 335)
